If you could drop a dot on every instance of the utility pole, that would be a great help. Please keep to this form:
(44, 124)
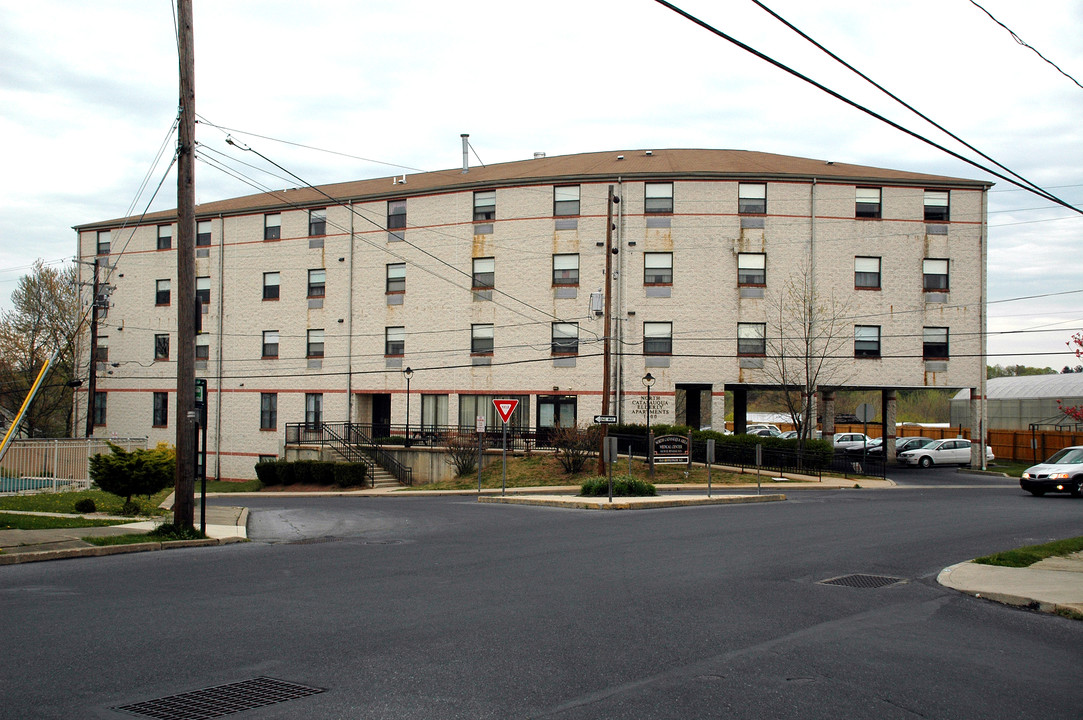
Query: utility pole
(608, 328)
(184, 497)
(92, 373)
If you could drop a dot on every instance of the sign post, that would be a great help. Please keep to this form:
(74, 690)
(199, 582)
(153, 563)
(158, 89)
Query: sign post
(481, 433)
(504, 408)
(201, 452)
(710, 461)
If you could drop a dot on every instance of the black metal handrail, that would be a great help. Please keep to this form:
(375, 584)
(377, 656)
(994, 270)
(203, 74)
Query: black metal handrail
(352, 442)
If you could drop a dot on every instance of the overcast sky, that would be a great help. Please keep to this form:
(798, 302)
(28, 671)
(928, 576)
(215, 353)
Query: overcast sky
(88, 92)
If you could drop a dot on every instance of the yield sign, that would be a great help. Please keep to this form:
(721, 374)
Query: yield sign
(504, 408)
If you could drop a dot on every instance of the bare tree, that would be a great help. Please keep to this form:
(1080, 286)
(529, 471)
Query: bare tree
(806, 345)
(42, 321)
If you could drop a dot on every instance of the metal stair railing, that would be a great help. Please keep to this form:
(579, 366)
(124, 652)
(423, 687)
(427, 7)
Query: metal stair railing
(351, 442)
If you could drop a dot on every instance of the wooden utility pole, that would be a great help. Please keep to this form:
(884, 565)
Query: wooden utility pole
(92, 373)
(184, 498)
(606, 352)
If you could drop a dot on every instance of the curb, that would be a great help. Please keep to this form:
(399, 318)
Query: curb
(944, 577)
(648, 504)
(101, 551)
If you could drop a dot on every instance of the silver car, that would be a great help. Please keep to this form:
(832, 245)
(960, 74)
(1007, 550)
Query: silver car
(955, 451)
(1061, 473)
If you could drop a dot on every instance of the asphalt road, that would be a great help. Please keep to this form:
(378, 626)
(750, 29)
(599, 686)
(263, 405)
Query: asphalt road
(443, 608)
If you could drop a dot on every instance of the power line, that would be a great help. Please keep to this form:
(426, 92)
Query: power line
(1035, 188)
(1024, 44)
(857, 106)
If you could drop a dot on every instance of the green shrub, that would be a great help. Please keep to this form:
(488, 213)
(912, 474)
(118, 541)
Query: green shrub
(130, 507)
(622, 487)
(139, 472)
(86, 505)
(267, 472)
(350, 474)
(169, 531)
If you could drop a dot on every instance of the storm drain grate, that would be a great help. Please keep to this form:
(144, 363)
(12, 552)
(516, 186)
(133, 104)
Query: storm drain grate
(221, 700)
(862, 581)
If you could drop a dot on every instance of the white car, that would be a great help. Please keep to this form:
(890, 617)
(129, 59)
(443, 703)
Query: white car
(851, 441)
(774, 431)
(955, 451)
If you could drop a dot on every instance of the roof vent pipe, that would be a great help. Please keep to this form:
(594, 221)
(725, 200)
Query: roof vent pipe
(539, 155)
(466, 152)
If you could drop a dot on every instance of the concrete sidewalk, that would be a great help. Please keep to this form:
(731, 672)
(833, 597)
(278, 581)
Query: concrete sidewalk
(1051, 585)
(224, 525)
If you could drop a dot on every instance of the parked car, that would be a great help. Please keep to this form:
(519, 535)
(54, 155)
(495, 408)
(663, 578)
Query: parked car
(910, 443)
(955, 451)
(848, 441)
(750, 429)
(764, 432)
(789, 435)
(875, 446)
(1061, 473)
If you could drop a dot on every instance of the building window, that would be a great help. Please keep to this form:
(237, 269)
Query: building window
(161, 347)
(315, 344)
(484, 273)
(165, 237)
(934, 274)
(396, 214)
(752, 339)
(161, 409)
(484, 205)
(270, 344)
(752, 269)
(99, 406)
(657, 338)
(936, 206)
(657, 268)
(433, 412)
(752, 198)
(271, 284)
(565, 339)
(934, 344)
(396, 278)
(566, 200)
(161, 292)
(203, 347)
(566, 269)
(658, 198)
(475, 406)
(268, 411)
(317, 222)
(313, 409)
(101, 351)
(203, 233)
(867, 341)
(317, 282)
(867, 273)
(272, 226)
(203, 290)
(103, 242)
(868, 203)
(481, 339)
(395, 341)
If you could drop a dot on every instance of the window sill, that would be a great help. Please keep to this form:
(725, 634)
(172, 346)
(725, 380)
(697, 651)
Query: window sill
(164, 249)
(935, 359)
(161, 304)
(161, 360)
(270, 299)
(867, 357)
(565, 285)
(935, 290)
(866, 287)
(395, 292)
(668, 284)
(858, 217)
(269, 357)
(263, 429)
(756, 285)
(161, 427)
(481, 354)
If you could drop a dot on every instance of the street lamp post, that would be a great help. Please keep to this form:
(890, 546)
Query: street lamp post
(408, 373)
(648, 381)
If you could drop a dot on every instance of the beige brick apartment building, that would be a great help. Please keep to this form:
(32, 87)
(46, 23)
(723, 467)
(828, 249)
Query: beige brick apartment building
(489, 282)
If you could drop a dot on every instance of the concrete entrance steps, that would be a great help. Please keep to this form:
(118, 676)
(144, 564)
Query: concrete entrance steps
(382, 478)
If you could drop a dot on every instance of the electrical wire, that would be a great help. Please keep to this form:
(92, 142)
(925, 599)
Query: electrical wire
(838, 96)
(1024, 44)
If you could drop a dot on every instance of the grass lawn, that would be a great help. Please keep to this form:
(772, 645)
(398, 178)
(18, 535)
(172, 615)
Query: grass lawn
(1013, 468)
(65, 502)
(1030, 554)
(543, 470)
(221, 486)
(42, 522)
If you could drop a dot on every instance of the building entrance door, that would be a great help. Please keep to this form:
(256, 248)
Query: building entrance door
(381, 416)
(693, 405)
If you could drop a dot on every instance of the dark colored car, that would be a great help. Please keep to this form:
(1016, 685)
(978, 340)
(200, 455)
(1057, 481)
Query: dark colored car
(1062, 473)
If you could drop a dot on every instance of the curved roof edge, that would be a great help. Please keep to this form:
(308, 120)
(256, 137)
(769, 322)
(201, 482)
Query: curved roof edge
(1061, 385)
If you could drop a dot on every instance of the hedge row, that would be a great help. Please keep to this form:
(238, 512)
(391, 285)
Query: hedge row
(311, 472)
(739, 448)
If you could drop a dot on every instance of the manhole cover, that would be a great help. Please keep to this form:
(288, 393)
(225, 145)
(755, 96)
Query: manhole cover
(221, 700)
(862, 581)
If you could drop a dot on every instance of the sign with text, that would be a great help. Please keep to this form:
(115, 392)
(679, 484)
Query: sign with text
(504, 408)
(605, 419)
(671, 449)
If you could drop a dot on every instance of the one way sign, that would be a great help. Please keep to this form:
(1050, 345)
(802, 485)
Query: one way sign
(504, 408)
